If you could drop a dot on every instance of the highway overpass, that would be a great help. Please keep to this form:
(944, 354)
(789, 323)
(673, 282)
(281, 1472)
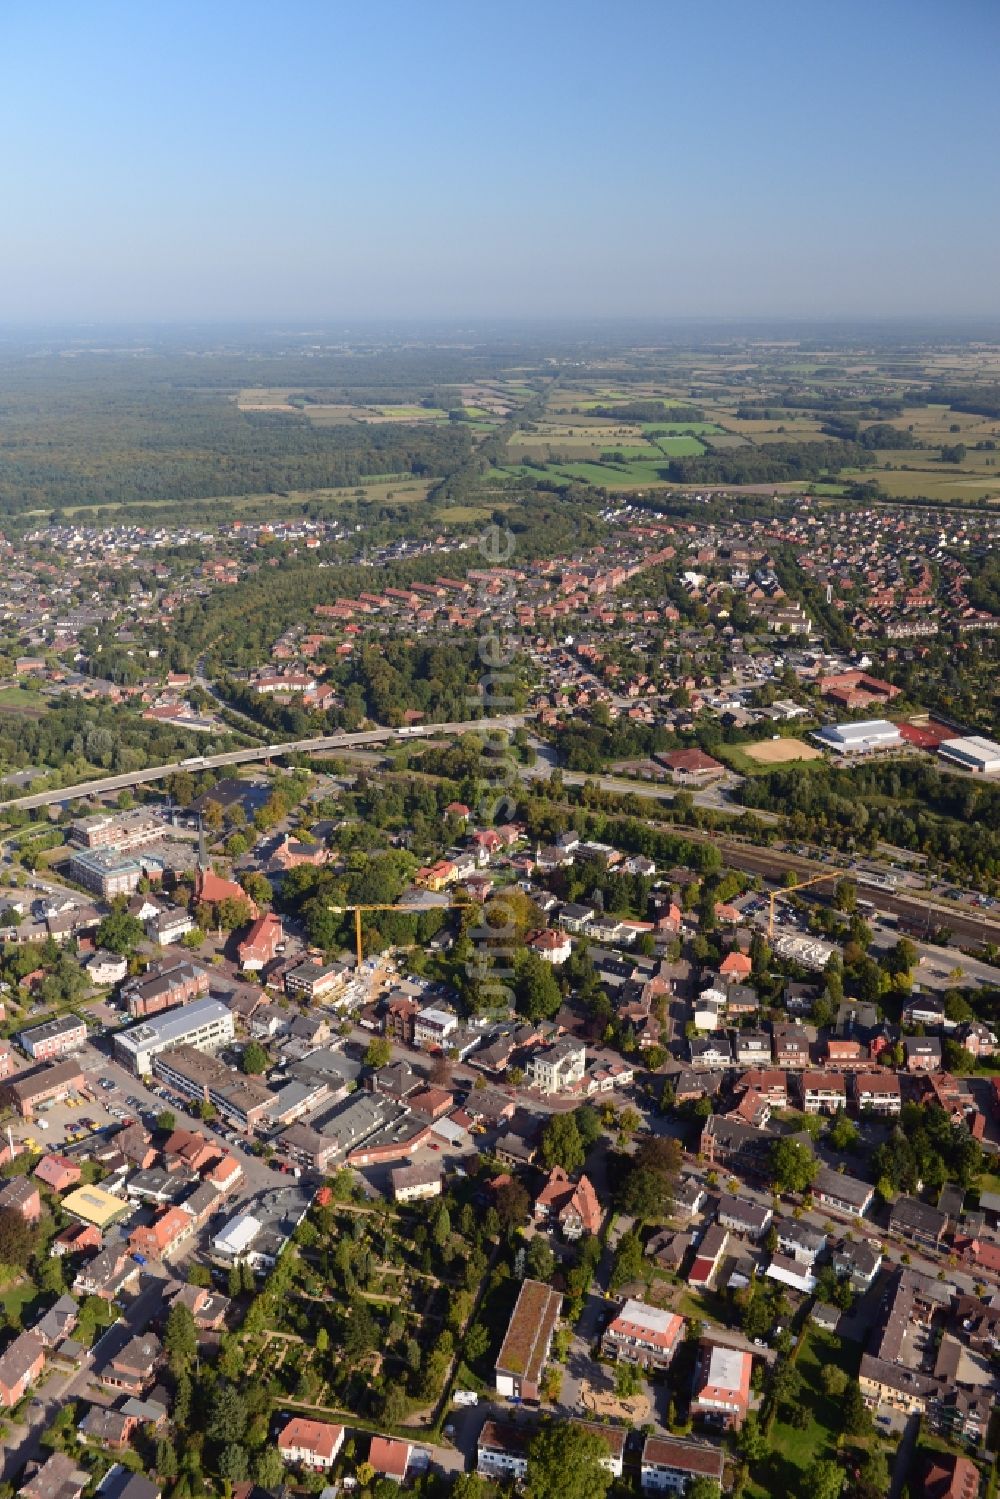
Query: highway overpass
(265, 752)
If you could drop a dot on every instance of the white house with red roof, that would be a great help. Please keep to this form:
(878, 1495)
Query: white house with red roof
(641, 1334)
(555, 947)
(390, 1458)
(310, 1444)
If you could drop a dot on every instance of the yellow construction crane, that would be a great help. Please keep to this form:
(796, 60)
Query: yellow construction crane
(828, 874)
(388, 906)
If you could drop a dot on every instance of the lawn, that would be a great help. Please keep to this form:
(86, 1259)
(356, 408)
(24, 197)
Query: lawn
(18, 700)
(792, 1449)
(17, 1298)
(472, 512)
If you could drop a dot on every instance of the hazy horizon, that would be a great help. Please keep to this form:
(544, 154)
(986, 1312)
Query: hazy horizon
(714, 163)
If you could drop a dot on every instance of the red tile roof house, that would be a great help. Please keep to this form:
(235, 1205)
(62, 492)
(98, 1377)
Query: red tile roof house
(710, 1252)
(978, 1252)
(59, 1172)
(949, 1477)
(210, 888)
(642, 1334)
(20, 1366)
(735, 966)
(573, 1205)
(190, 1149)
(554, 947)
(161, 1237)
(690, 764)
(433, 1102)
(390, 1458)
(721, 1391)
(260, 945)
(76, 1239)
(293, 852)
(312, 1444)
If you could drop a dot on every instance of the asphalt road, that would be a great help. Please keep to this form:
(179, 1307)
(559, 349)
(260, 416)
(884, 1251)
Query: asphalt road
(247, 756)
(23, 1443)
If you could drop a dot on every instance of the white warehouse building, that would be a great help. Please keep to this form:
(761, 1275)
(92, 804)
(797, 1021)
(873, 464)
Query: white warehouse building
(974, 753)
(237, 1236)
(859, 738)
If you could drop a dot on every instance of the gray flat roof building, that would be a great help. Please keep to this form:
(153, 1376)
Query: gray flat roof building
(204, 1024)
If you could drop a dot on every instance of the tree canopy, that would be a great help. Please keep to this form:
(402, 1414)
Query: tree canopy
(565, 1462)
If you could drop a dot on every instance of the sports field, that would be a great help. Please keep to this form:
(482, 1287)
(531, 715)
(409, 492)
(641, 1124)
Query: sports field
(781, 751)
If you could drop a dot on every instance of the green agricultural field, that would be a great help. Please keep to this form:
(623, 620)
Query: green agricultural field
(934, 424)
(934, 483)
(680, 447)
(645, 453)
(610, 476)
(472, 512)
(411, 413)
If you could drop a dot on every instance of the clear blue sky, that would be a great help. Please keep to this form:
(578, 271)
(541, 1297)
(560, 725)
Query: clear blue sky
(314, 159)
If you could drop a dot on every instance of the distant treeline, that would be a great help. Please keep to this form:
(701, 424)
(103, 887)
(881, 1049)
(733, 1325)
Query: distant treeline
(649, 411)
(881, 435)
(975, 400)
(133, 429)
(777, 462)
(186, 448)
(778, 405)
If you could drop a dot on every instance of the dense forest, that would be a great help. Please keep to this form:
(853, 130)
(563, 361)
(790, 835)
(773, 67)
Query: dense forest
(983, 587)
(163, 424)
(442, 681)
(878, 435)
(191, 447)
